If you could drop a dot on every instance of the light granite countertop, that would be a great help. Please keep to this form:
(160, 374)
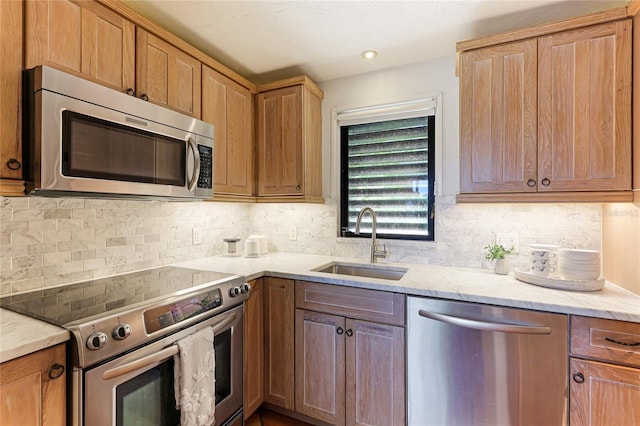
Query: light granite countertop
(20, 335)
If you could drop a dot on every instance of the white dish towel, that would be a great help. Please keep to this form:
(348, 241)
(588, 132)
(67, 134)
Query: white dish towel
(194, 383)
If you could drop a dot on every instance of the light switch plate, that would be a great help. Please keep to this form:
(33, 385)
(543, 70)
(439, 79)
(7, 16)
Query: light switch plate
(508, 240)
(293, 233)
(197, 236)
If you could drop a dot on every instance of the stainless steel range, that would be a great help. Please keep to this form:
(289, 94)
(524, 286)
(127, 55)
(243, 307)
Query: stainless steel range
(124, 329)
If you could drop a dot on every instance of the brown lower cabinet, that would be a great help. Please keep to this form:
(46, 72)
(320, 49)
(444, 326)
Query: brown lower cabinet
(343, 363)
(254, 348)
(278, 339)
(349, 371)
(604, 372)
(604, 394)
(33, 389)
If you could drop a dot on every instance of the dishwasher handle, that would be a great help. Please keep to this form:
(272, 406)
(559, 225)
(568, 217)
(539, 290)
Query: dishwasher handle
(486, 325)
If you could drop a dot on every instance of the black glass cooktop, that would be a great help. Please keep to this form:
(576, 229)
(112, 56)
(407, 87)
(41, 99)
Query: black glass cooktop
(71, 303)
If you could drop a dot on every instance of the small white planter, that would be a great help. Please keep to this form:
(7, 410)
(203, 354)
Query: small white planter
(502, 266)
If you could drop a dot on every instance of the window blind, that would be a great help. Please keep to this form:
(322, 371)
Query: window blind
(388, 166)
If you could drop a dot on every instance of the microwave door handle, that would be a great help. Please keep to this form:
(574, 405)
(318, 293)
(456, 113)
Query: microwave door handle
(159, 356)
(196, 167)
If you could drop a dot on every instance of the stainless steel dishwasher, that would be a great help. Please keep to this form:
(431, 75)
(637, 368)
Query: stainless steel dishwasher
(472, 364)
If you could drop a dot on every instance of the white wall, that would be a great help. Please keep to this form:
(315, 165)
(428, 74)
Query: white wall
(416, 81)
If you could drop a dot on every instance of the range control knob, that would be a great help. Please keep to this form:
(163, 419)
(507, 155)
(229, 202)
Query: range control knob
(96, 340)
(121, 332)
(235, 291)
(245, 288)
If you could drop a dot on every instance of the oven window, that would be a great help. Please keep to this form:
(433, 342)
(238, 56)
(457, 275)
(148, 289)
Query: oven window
(222, 347)
(148, 399)
(99, 149)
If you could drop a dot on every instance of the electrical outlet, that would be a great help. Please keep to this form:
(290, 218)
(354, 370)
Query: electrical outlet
(197, 236)
(508, 240)
(293, 233)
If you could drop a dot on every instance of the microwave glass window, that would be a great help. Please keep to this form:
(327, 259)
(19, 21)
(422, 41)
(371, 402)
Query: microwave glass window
(222, 349)
(148, 399)
(95, 148)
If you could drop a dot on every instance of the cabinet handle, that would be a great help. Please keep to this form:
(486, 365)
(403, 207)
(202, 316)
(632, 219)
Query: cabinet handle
(13, 164)
(578, 378)
(297, 187)
(546, 182)
(144, 97)
(531, 183)
(339, 330)
(130, 91)
(617, 342)
(349, 332)
(56, 371)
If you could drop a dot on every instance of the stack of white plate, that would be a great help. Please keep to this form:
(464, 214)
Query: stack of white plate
(574, 264)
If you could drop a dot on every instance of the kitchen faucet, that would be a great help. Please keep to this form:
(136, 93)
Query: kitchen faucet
(375, 253)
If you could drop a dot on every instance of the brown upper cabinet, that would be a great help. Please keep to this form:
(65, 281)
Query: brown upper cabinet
(289, 127)
(548, 118)
(11, 14)
(229, 107)
(83, 38)
(165, 75)
(87, 39)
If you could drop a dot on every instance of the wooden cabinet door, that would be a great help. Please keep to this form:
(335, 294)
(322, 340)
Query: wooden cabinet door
(320, 362)
(10, 91)
(498, 118)
(82, 38)
(254, 348)
(279, 342)
(584, 105)
(375, 374)
(166, 75)
(604, 394)
(280, 142)
(229, 107)
(28, 393)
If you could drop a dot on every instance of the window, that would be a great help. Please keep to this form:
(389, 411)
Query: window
(389, 165)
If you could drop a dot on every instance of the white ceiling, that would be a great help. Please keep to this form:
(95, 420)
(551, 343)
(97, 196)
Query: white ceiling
(269, 40)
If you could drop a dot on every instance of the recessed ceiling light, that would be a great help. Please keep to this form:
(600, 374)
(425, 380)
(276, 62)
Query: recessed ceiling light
(369, 54)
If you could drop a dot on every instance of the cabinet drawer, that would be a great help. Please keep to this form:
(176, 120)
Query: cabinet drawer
(377, 306)
(610, 340)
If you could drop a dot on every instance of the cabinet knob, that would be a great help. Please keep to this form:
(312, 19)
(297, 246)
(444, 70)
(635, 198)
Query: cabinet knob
(339, 330)
(546, 182)
(578, 378)
(56, 371)
(531, 183)
(297, 187)
(349, 332)
(130, 91)
(144, 97)
(13, 164)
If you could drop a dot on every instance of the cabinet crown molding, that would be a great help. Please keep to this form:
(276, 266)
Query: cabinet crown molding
(551, 27)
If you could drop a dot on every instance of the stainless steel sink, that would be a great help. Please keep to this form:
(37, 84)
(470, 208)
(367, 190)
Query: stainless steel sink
(358, 270)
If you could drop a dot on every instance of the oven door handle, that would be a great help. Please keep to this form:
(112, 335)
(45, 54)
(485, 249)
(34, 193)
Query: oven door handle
(158, 356)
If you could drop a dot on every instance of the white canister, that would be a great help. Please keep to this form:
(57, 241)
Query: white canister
(263, 246)
(251, 248)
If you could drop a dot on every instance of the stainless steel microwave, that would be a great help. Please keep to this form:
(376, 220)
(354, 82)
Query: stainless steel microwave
(85, 139)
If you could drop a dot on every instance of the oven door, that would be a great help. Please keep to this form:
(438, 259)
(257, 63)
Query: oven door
(137, 388)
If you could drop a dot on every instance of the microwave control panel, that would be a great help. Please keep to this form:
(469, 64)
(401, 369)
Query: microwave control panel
(206, 167)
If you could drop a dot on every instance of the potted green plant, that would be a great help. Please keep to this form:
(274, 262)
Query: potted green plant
(498, 253)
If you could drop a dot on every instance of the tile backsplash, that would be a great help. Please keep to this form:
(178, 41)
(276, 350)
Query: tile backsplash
(51, 241)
